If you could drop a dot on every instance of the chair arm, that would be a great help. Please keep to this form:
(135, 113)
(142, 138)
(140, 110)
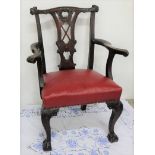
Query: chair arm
(36, 57)
(112, 49)
(112, 52)
(36, 53)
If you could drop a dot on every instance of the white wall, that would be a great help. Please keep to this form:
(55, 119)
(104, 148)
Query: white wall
(114, 22)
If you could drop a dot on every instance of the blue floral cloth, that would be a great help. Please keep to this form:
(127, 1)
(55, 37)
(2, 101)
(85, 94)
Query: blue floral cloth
(85, 140)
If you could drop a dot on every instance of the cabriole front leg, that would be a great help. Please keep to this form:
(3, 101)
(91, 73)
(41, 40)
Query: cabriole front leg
(117, 109)
(46, 115)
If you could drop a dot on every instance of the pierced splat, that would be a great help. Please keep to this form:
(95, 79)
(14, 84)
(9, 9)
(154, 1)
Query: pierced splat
(66, 55)
(65, 18)
(65, 23)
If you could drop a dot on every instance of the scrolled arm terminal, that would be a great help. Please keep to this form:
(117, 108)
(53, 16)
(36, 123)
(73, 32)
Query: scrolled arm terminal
(36, 53)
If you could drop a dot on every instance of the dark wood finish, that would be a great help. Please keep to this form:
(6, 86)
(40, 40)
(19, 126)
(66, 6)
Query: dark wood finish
(66, 45)
(46, 115)
(61, 19)
(91, 38)
(112, 52)
(109, 65)
(40, 43)
(117, 109)
(37, 57)
(83, 107)
(69, 44)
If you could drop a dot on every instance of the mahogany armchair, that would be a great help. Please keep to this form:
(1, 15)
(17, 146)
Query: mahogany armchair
(70, 86)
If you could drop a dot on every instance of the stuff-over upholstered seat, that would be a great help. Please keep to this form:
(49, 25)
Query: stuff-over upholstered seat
(70, 86)
(80, 86)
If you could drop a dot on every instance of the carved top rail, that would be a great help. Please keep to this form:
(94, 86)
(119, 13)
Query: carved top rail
(34, 10)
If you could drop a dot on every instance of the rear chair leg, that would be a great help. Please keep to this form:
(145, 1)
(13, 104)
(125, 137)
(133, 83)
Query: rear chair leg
(117, 109)
(83, 107)
(46, 115)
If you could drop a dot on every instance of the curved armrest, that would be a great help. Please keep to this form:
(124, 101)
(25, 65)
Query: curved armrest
(112, 52)
(37, 53)
(108, 45)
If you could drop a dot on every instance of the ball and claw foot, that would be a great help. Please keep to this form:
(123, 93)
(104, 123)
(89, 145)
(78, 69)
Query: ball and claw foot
(112, 137)
(47, 145)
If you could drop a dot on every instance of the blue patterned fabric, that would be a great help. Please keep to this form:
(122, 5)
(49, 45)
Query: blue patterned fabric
(84, 140)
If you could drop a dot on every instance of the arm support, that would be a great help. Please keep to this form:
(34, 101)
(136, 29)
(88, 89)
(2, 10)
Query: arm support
(112, 52)
(36, 57)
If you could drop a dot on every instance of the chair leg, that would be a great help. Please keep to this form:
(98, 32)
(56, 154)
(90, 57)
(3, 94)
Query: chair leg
(83, 107)
(117, 109)
(46, 114)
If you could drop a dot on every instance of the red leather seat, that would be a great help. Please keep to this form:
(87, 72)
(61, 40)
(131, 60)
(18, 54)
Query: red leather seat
(80, 86)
